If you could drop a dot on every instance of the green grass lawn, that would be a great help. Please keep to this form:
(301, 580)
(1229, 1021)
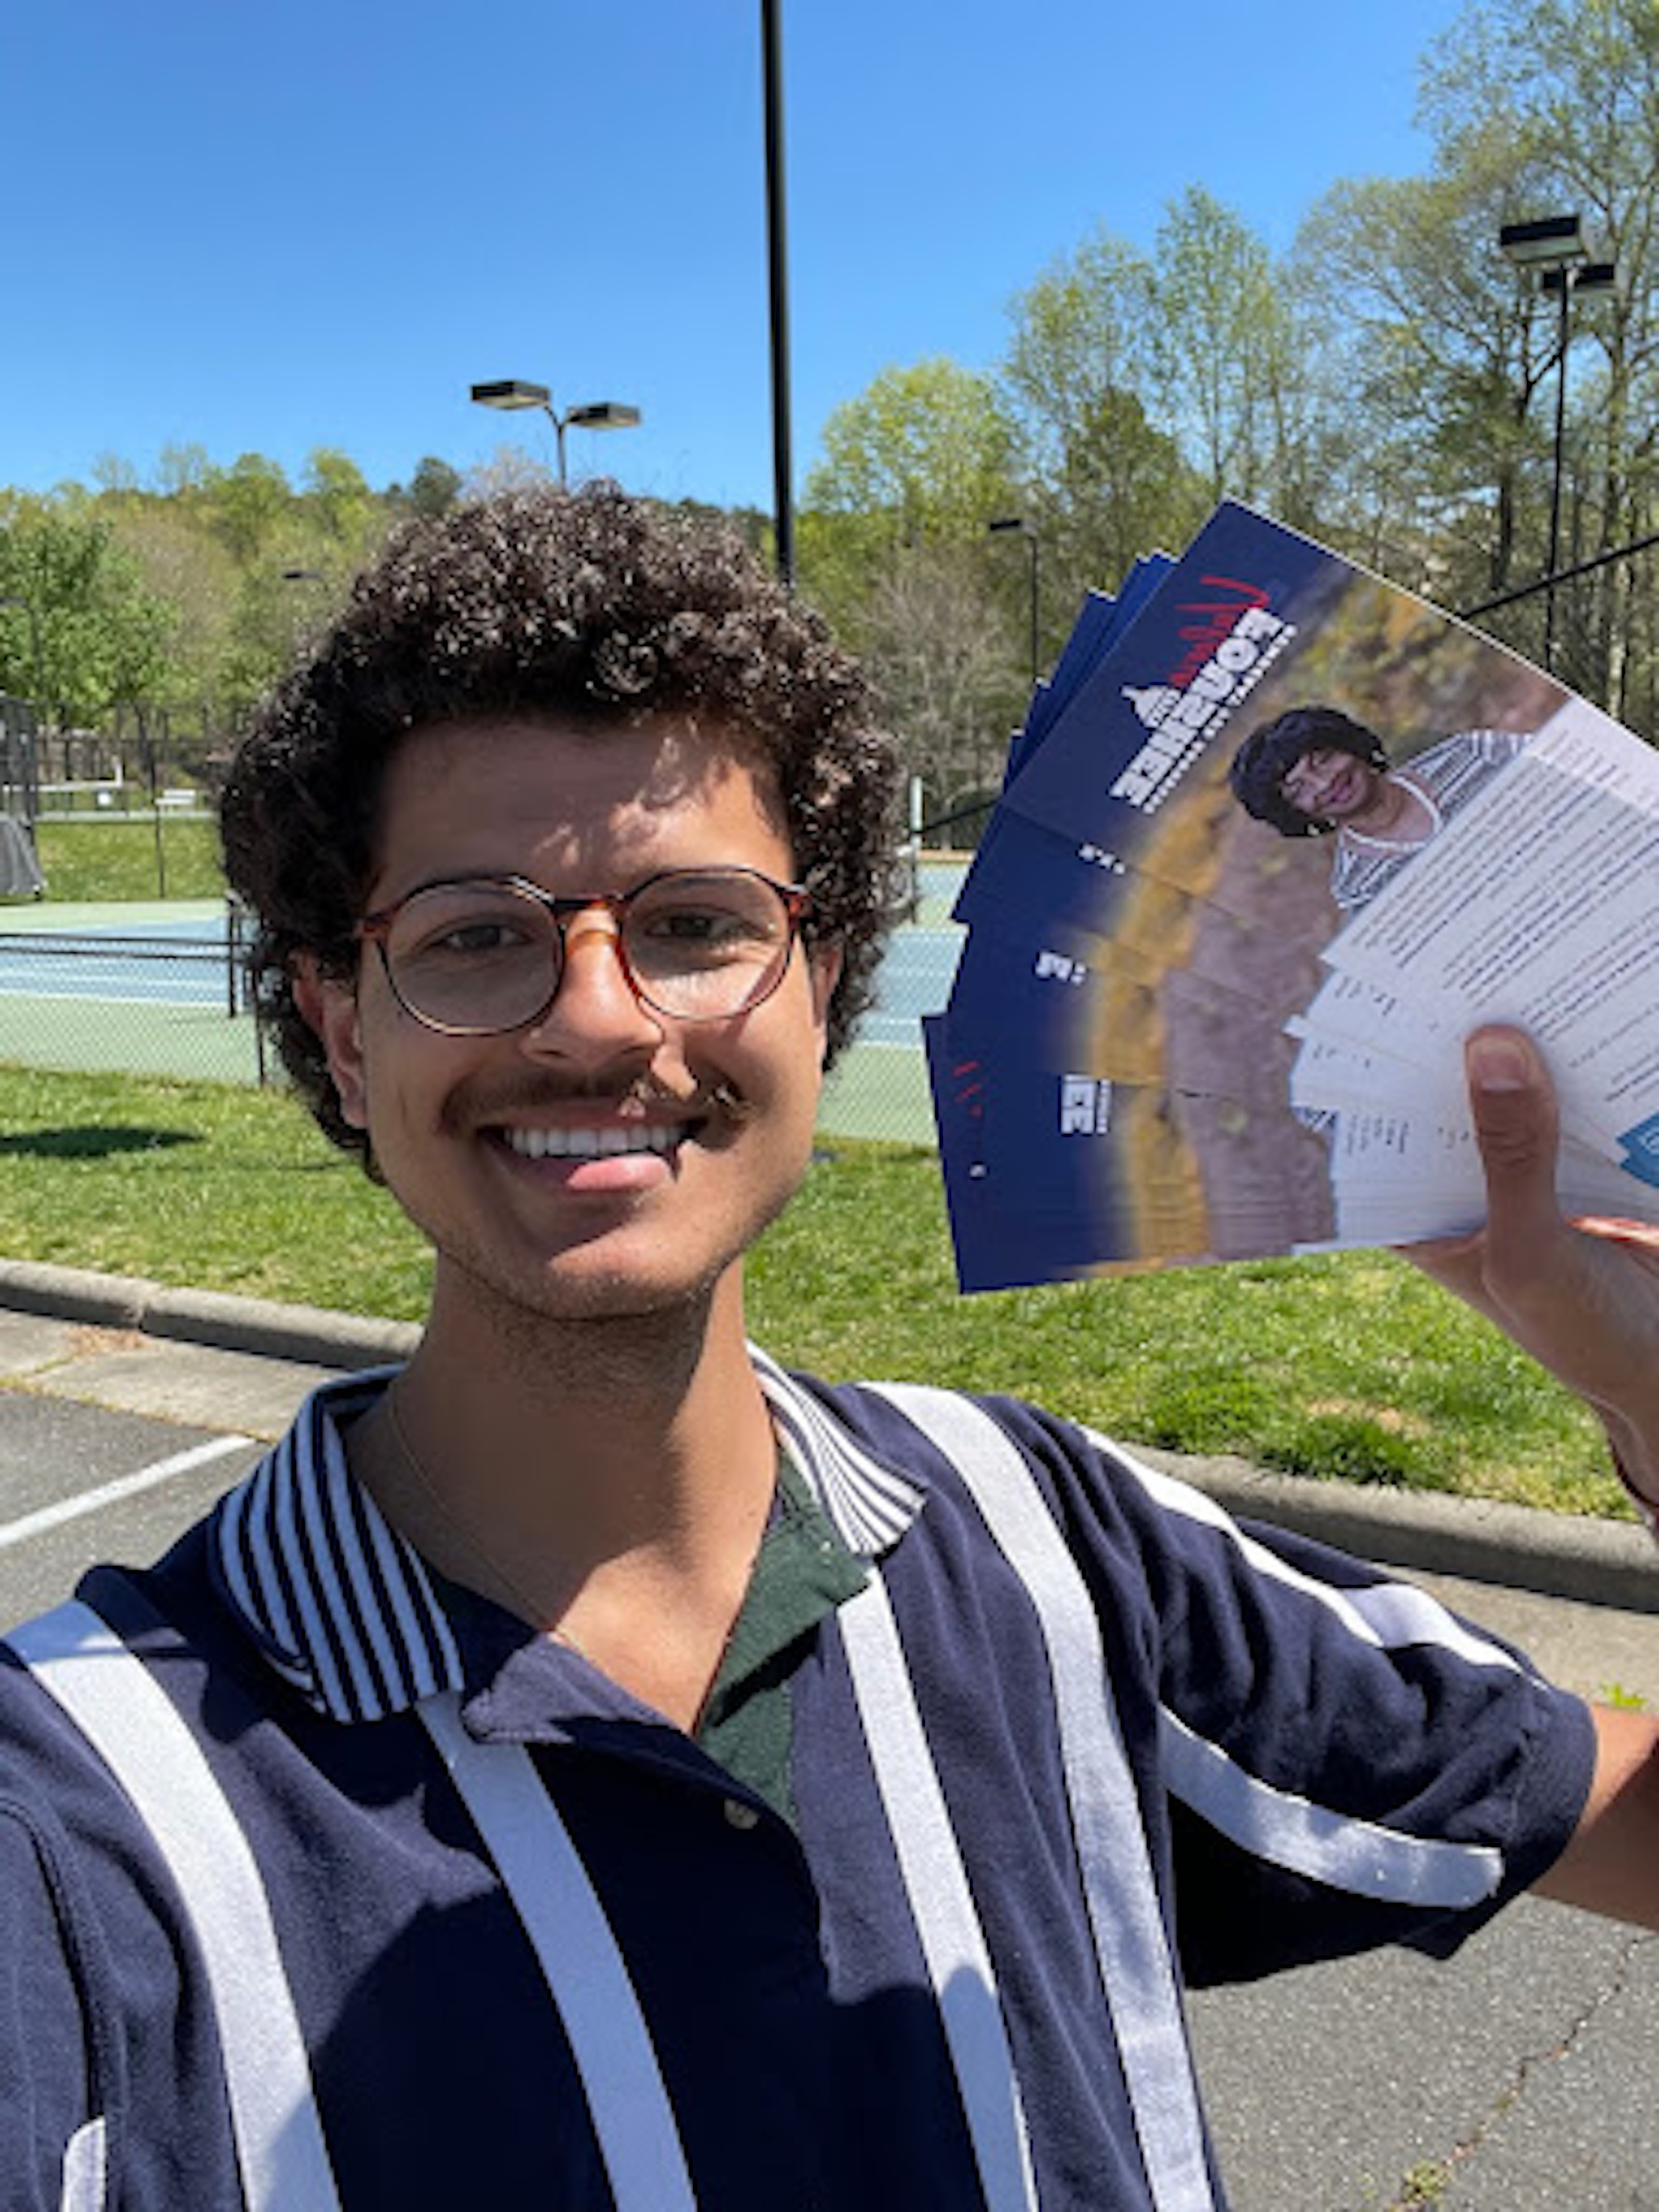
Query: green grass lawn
(1351, 1367)
(105, 856)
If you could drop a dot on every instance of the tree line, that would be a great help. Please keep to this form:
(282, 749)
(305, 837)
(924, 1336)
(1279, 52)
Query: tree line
(1389, 384)
(170, 607)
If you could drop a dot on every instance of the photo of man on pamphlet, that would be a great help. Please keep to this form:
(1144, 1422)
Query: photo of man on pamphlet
(1245, 891)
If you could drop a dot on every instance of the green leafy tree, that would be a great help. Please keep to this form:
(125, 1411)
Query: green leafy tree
(337, 500)
(1577, 82)
(1082, 333)
(245, 503)
(1441, 362)
(182, 469)
(1228, 342)
(79, 633)
(925, 452)
(435, 487)
(892, 544)
(1107, 478)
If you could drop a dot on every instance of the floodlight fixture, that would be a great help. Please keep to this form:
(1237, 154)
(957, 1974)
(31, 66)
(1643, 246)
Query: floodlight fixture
(1549, 242)
(602, 415)
(1589, 277)
(513, 392)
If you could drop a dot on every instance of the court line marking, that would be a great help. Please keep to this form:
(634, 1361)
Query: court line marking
(107, 999)
(124, 1485)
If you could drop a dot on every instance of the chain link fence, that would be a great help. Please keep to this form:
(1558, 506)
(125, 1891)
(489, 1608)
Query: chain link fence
(131, 960)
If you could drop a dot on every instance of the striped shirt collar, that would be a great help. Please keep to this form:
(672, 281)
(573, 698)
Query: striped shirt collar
(344, 1609)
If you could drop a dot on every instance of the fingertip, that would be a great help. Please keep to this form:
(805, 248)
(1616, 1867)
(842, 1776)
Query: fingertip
(1500, 1061)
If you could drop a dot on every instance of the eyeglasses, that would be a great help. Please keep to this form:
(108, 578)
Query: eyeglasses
(485, 954)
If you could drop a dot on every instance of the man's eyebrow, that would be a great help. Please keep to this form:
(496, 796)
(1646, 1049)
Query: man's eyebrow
(444, 877)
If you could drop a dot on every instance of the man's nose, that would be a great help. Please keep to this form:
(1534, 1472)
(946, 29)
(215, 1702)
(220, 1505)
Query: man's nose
(595, 1011)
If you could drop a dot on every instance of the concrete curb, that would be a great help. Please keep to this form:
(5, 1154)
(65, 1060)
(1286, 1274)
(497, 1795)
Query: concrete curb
(311, 1335)
(1559, 1555)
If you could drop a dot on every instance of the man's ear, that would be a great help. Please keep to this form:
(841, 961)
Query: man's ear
(823, 968)
(331, 1009)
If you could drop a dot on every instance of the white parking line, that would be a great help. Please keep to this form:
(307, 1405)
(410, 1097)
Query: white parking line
(124, 1485)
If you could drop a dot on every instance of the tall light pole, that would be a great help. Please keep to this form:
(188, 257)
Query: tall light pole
(1019, 524)
(513, 392)
(1554, 246)
(778, 286)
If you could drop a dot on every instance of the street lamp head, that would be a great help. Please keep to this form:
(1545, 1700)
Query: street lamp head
(1011, 522)
(1593, 276)
(1550, 241)
(597, 415)
(511, 392)
(604, 415)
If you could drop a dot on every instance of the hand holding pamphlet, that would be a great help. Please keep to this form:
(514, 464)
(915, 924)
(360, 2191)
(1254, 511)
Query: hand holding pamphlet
(1276, 836)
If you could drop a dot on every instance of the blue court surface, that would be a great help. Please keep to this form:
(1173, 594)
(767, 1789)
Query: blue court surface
(187, 961)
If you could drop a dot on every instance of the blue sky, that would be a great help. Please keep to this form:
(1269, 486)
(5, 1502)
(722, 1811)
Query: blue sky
(276, 228)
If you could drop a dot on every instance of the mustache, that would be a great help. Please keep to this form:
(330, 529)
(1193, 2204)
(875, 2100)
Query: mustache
(472, 1106)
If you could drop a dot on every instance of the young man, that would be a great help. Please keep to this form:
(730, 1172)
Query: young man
(590, 1767)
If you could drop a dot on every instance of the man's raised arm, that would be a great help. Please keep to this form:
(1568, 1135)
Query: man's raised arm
(1583, 1298)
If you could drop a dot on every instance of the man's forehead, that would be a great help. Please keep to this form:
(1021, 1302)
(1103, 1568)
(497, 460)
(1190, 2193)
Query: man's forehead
(483, 787)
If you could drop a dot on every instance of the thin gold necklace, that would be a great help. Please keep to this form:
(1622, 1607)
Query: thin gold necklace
(468, 1538)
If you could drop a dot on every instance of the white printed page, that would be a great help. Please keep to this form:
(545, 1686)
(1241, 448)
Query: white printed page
(1538, 905)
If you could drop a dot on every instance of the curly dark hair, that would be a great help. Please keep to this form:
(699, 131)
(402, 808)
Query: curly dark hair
(1266, 755)
(590, 605)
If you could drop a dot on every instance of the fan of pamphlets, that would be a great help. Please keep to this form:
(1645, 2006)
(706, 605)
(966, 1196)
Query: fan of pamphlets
(1195, 1020)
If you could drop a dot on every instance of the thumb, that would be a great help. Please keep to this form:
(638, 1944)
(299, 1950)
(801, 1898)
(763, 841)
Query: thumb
(1512, 1103)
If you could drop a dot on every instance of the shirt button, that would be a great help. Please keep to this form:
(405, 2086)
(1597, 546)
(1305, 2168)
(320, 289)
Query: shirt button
(741, 1815)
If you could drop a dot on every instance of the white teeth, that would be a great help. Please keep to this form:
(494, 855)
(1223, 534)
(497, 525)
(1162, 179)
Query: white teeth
(590, 1144)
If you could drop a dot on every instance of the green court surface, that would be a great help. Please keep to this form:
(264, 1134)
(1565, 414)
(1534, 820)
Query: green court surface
(130, 915)
(878, 1090)
(98, 1036)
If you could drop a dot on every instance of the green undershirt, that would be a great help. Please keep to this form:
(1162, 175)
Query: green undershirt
(802, 1571)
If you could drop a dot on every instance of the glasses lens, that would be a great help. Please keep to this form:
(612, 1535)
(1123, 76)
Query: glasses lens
(473, 957)
(704, 946)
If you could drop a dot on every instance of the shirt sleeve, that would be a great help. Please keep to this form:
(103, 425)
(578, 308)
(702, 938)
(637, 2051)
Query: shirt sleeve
(1345, 1762)
(55, 2054)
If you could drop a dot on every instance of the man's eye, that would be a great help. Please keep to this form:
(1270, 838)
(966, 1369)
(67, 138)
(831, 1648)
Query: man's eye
(700, 928)
(474, 940)
(695, 923)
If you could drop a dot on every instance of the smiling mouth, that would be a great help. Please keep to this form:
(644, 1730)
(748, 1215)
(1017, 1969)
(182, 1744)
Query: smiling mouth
(608, 1143)
(1321, 800)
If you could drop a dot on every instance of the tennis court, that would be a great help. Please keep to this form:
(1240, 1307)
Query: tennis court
(155, 990)
(125, 989)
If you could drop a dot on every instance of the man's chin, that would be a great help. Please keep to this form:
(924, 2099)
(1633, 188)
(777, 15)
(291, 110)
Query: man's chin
(580, 1287)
